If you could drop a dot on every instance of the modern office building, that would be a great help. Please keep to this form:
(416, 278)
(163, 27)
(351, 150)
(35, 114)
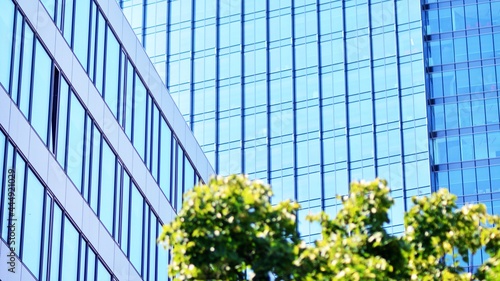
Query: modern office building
(94, 154)
(311, 94)
(306, 94)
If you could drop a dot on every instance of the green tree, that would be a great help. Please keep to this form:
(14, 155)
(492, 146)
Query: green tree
(228, 230)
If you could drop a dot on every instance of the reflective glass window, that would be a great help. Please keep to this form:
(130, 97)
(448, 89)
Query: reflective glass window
(112, 72)
(81, 30)
(16, 58)
(33, 219)
(91, 263)
(8, 158)
(26, 68)
(68, 20)
(20, 191)
(62, 120)
(6, 31)
(41, 92)
(136, 228)
(155, 141)
(69, 251)
(55, 258)
(106, 198)
(94, 173)
(100, 53)
(165, 158)
(129, 100)
(125, 219)
(179, 177)
(139, 107)
(75, 142)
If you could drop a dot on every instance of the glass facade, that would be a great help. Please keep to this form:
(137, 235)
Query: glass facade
(306, 94)
(130, 185)
(462, 45)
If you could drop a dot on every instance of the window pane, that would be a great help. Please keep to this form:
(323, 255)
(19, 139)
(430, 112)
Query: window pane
(139, 116)
(94, 175)
(6, 32)
(81, 30)
(25, 87)
(136, 228)
(62, 123)
(99, 66)
(41, 92)
(125, 212)
(20, 189)
(56, 244)
(165, 158)
(107, 187)
(32, 240)
(112, 72)
(75, 142)
(70, 252)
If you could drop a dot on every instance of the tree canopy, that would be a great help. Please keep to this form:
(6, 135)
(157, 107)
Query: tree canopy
(229, 230)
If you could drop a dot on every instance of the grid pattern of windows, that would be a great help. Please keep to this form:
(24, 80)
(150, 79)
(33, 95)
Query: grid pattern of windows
(54, 110)
(123, 91)
(307, 94)
(43, 231)
(462, 41)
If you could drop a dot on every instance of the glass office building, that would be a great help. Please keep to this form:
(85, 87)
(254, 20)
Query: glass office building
(94, 154)
(462, 43)
(306, 94)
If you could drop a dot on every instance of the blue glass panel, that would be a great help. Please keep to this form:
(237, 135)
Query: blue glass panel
(127, 120)
(100, 51)
(6, 32)
(94, 173)
(46, 235)
(26, 68)
(16, 59)
(179, 177)
(69, 251)
(81, 30)
(19, 197)
(165, 158)
(55, 258)
(106, 198)
(112, 72)
(136, 228)
(62, 120)
(68, 20)
(75, 142)
(139, 107)
(91, 263)
(155, 141)
(125, 220)
(162, 272)
(8, 158)
(33, 219)
(41, 92)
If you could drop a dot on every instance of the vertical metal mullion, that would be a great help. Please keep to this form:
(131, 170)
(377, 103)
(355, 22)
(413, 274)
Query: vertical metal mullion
(370, 65)
(400, 107)
(242, 83)
(346, 96)
(294, 105)
(320, 105)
